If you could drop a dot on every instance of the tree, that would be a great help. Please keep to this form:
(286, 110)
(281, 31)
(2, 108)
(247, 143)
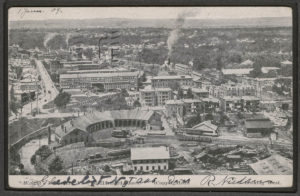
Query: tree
(142, 79)
(180, 94)
(193, 121)
(136, 103)
(256, 72)
(189, 94)
(62, 99)
(19, 71)
(124, 93)
(175, 86)
(106, 168)
(44, 152)
(56, 166)
(209, 116)
(282, 86)
(99, 87)
(89, 53)
(14, 105)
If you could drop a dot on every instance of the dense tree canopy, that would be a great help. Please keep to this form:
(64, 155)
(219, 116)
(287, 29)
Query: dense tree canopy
(56, 166)
(62, 99)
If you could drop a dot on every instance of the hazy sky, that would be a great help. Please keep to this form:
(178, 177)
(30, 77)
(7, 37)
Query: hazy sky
(146, 12)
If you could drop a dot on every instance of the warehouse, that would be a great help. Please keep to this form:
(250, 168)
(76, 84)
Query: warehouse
(258, 127)
(108, 81)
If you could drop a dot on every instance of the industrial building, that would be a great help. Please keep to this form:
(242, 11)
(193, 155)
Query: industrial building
(91, 126)
(168, 81)
(107, 81)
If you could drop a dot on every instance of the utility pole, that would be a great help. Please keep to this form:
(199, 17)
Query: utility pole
(37, 97)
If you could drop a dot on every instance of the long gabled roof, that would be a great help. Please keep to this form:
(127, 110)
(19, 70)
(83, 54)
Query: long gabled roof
(258, 123)
(206, 126)
(150, 153)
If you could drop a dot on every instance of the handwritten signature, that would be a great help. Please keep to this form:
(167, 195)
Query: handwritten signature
(24, 11)
(211, 180)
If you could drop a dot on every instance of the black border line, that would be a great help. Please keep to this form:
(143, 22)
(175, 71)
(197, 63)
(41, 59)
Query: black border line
(127, 3)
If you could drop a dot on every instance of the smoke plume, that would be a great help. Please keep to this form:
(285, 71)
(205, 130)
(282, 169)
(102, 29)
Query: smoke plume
(68, 36)
(175, 33)
(48, 38)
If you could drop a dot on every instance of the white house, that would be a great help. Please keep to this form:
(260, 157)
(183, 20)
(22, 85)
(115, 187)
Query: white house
(150, 158)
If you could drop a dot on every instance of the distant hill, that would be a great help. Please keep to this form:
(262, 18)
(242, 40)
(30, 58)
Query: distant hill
(155, 23)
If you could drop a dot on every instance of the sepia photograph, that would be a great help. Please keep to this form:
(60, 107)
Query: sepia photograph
(150, 97)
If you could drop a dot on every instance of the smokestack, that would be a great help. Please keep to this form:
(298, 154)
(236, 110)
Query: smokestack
(49, 135)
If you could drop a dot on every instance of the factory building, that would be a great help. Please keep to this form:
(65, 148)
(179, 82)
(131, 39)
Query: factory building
(168, 81)
(148, 159)
(182, 69)
(107, 81)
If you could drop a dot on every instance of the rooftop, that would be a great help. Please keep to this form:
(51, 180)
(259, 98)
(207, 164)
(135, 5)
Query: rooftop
(287, 62)
(175, 77)
(242, 71)
(206, 126)
(172, 102)
(267, 69)
(150, 153)
(263, 123)
(191, 100)
(273, 165)
(210, 99)
(95, 75)
(250, 98)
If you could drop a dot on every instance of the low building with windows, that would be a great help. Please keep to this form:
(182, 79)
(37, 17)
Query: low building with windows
(29, 85)
(193, 105)
(168, 81)
(149, 159)
(210, 105)
(236, 89)
(244, 103)
(98, 125)
(197, 92)
(107, 81)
